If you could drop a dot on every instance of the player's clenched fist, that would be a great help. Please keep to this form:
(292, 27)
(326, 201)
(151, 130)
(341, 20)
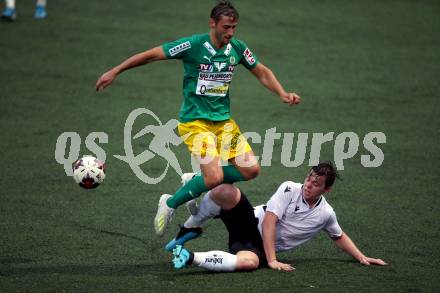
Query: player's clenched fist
(105, 80)
(291, 98)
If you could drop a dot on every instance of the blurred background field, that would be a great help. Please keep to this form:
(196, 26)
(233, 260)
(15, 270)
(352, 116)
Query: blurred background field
(360, 66)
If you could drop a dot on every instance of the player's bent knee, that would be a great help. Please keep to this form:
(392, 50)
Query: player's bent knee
(247, 265)
(251, 172)
(213, 180)
(224, 191)
(247, 261)
(225, 195)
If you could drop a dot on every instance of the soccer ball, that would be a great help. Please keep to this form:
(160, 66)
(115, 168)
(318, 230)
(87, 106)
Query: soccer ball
(88, 172)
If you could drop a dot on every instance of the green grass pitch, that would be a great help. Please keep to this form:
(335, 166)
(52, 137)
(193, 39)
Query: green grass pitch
(360, 66)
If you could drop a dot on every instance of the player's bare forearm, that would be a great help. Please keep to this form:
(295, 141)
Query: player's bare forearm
(344, 242)
(269, 226)
(269, 232)
(269, 80)
(143, 58)
(347, 245)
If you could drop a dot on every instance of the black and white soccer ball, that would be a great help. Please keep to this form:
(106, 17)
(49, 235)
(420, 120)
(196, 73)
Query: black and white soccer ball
(88, 172)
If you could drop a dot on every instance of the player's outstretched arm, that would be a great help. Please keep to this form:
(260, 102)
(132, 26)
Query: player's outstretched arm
(346, 244)
(269, 232)
(268, 79)
(143, 58)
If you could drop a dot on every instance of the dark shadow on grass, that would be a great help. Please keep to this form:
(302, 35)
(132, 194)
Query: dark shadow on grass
(14, 260)
(182, 273)
(90, 270)
(12, 267)
(317, 260)
(304, 261)
(15, 266)
(194, 271)
(111, 233)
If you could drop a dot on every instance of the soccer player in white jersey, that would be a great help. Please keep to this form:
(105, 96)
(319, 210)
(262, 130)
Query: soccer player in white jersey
(9, 13)
(293, 215)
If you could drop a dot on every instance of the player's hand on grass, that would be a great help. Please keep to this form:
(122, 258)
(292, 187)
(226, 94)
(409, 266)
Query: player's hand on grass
(105, 80)
(372, 261)
(291, 98)
(276, 265)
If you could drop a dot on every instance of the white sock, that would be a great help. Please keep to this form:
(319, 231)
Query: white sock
(218, 261)
(41, 2)
(10, 3)
(208, 209)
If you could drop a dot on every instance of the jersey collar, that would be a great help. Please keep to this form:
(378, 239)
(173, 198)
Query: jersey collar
(212, 51)
(210, 48)
(306, 203)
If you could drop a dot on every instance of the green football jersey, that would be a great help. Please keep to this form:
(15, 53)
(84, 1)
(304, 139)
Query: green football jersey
(208, 73)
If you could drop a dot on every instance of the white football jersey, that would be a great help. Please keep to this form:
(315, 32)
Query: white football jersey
(297, 222)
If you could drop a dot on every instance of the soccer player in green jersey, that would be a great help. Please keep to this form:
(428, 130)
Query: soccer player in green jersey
(205, 124)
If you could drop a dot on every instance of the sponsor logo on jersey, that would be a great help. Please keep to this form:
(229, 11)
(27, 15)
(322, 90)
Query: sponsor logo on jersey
(179, 48)
(232, 59)
(223, 77)
(219, 65)
(231, 68)
(213, 83)
(248, 56)
(220, 90)
(206, 67)
(228, 49)
(210, 48)
(288, 189)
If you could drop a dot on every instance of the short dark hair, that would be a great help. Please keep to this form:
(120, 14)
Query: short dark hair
(326, 169)
(224, 8)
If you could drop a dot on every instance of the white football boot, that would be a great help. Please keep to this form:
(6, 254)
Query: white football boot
(163, 216)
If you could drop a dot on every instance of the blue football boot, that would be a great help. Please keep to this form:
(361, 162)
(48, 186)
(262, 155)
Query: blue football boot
(184, 235)
(9, 14)
(40, 12)
(182, 257)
